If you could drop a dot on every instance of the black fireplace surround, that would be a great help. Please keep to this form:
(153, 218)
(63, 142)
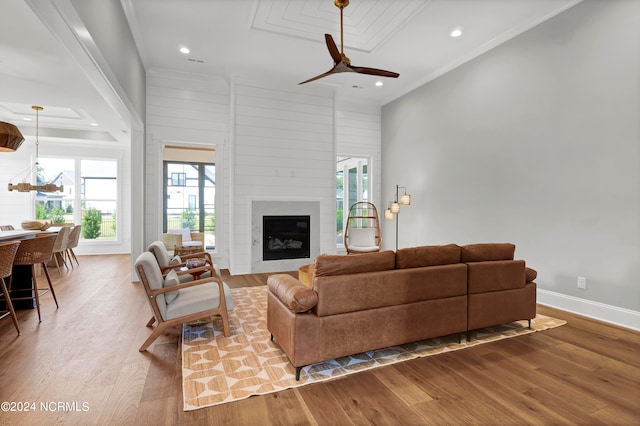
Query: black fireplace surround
(285, 237)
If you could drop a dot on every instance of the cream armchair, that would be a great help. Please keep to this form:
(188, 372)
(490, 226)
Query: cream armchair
(183, 241)
(174, 303)
(168, 262)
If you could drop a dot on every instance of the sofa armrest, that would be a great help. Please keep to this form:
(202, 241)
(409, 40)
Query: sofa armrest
(295, 295)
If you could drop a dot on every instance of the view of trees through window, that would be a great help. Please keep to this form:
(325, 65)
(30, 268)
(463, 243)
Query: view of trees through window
(89, 184)
(352, 185)
(190, 193)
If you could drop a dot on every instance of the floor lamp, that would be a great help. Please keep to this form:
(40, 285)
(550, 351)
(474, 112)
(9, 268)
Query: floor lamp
(393, 209)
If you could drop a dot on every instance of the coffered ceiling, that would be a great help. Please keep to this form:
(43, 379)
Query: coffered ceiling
(267, 40)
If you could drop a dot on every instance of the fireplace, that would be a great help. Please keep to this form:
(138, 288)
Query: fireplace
(286, 237)
(287, 259)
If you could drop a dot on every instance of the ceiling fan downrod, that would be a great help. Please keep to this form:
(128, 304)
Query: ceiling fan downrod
(341, 4)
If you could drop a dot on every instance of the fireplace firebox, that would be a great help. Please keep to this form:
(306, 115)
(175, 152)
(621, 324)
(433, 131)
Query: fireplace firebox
(285, 237)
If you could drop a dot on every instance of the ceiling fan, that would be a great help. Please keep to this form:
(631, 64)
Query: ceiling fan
(341, 63)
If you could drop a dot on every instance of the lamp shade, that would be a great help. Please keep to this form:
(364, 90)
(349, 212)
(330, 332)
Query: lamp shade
(388, 214)
(405, 199)
(395, 207)
(10, 137)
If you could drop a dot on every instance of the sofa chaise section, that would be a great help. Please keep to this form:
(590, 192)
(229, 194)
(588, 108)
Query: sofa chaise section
(501, 289)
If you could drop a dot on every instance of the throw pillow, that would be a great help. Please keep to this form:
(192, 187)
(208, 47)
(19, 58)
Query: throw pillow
(530, 274)
(175, 260)
(170, 280)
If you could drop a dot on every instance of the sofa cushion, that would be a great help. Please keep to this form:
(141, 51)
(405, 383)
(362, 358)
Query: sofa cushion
(415, 257)
(331, 264)
(487, 252)
(294, 294)
(341, 294)
(499, 275)
(530, 274)
(362, 239)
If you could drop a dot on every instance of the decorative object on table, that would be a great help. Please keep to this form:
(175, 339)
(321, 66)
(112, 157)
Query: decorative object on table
(34, 251)
(393, 210)
(194, 301)
(341, 63)
(7, 228)
(36, 225)
(217, 369)
(7, 255)
(362, 233)
(10, 137)
(196, 262)
(42, 187)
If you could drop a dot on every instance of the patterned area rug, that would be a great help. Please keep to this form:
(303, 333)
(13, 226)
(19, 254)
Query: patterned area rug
(218, 369)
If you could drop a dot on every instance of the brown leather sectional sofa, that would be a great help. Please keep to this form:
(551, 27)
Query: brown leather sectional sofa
(369, 301)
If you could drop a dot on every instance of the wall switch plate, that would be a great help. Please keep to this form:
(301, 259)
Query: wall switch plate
(582, 283)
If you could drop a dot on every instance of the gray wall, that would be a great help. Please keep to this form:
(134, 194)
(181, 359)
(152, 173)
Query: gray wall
(536, 142)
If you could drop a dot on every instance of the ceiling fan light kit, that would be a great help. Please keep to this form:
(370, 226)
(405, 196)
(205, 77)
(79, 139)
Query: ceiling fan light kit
(341, 63)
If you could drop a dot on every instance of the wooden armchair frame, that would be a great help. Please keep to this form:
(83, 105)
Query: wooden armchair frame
(152, 296)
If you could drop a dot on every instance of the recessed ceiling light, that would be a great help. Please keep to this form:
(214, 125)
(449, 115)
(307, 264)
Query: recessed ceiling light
(457, 32)
(94, 124)
(184, 50)
(26, 119)
(379, 83)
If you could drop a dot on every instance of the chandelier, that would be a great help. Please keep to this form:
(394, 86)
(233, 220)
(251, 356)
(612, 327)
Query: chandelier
(25, 186)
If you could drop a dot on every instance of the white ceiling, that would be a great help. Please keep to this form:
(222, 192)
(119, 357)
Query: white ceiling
(271, 40)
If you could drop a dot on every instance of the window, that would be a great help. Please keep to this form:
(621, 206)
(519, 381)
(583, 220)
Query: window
(178, 179)
(352, 185)
(94, 189)
(189, 198)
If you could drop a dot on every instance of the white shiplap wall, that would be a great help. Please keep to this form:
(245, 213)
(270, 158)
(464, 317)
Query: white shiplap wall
(358, 132)
(283, 149)
(358, 135)
(185, 109)
(273, 143)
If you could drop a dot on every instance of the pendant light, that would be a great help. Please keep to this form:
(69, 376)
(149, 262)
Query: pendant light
(25, 186)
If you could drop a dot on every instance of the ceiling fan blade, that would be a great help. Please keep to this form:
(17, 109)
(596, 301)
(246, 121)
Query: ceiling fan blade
(374, 71)
(331, 71)
(333, 49)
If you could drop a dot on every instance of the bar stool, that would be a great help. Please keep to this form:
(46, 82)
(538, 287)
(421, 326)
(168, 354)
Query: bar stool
(33, 251)
(7, 254)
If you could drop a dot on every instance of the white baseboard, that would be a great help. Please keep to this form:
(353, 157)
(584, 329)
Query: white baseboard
(608, 313)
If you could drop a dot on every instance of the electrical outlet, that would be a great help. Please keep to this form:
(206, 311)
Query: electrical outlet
(582, 283)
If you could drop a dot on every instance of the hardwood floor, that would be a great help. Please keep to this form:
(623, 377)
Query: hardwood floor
(85, 356)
